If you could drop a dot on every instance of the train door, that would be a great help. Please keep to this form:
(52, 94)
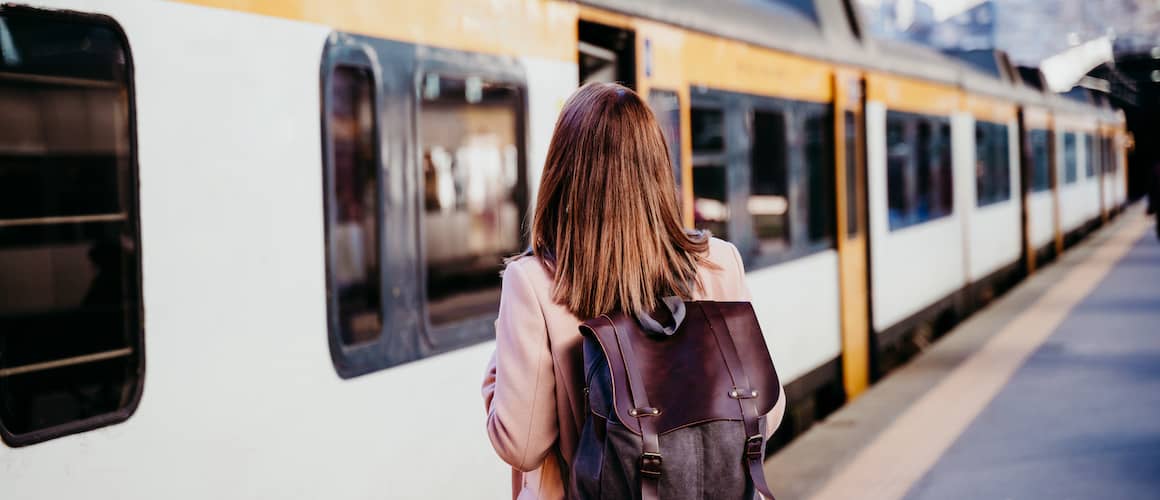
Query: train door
(853, 268)
(606, 54)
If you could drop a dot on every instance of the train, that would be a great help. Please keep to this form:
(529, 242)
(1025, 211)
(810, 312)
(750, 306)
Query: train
(251, 249)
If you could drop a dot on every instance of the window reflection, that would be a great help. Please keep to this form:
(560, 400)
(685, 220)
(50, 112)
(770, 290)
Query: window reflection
(472, 181)
(851, 128)
(1089, 156)
(992, 167)
(769, 180)
(1041, 161)
(667, 108)
(1070, 170)
(710, 182)
(819, 133)
(70, 294)
(354, 234)
(919, 180)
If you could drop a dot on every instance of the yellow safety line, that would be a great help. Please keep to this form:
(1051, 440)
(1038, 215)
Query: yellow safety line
(888, 467)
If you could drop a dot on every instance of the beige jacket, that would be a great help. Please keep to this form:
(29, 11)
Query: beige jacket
(533, 388)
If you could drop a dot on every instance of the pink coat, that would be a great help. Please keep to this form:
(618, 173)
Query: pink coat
(533, 388)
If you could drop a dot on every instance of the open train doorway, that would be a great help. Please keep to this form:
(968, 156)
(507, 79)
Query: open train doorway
(607, 54)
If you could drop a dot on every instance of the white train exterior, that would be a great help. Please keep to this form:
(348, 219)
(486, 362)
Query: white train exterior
(244, 390)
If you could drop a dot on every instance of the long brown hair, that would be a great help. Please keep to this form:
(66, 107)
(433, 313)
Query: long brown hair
(606, 218)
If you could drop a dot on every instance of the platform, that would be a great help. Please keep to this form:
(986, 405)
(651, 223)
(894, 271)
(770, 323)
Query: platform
(1052, 391)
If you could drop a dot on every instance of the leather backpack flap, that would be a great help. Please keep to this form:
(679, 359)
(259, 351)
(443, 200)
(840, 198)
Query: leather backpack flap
(684, 374)
(752, 349)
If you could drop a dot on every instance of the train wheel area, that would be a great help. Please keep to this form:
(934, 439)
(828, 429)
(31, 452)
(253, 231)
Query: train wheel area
(1051, 391)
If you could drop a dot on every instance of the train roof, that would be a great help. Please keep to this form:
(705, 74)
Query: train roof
(833, 31)
(792, 26)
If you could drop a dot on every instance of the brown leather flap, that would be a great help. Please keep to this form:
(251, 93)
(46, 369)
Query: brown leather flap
(684, 374)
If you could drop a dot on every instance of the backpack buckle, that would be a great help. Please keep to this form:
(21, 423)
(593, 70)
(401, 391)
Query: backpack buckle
(650, 464)
(739, 393)
(754, 447)
(647, 411)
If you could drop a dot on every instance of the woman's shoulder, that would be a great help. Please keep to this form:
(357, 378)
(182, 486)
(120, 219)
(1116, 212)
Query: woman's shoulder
(528, 267)
(720, 249)
(723, 254)
(722, 272)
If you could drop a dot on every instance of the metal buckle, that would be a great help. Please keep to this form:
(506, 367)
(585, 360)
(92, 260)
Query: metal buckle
(754, 447)
(650, 464)
(738, 393)
(647, 411)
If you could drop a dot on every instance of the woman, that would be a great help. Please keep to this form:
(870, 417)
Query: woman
(606, 236)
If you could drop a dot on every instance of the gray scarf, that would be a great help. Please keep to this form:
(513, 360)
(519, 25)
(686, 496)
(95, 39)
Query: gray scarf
(676, 308)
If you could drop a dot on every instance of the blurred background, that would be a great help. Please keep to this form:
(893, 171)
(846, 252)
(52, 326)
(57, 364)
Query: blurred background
(1112, 46)
(252, 248)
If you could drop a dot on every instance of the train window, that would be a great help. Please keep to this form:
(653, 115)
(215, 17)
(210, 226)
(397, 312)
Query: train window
(851, 128)
(802, 7)
(71, 354)
(667, 108)
(919, 180)
(899, 155)
(768, 202)
(1089, 156)
(773, 188)
(1041, 160)
(710, 182)
(819, 145)
(469, 132)
(354, 223)
(1103, 154)
(992, 167)
(1110, 153)
(1070, 173)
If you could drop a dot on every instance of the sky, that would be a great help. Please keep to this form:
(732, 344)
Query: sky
(942, 8)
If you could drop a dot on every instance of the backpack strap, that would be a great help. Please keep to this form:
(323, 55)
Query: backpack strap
(650, 457)
(745, 394)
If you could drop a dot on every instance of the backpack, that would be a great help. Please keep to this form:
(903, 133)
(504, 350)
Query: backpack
(674, 412)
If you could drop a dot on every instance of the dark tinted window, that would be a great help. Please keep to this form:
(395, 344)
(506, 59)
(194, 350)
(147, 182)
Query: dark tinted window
(667, 108)
(1102, 164)
(1110, 153)
(70, 287)
(851, 139)
(801, 7)
(819, 149)
(763, 174)
(1070, 172)
(919, 181)
(768, 202)
(1090, 156)
(473, 192)
(354, 223)
(710, 182)
(992, 167)
(1040, 160)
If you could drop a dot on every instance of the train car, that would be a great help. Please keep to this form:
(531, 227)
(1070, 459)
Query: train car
(252, 248)
(214, 233)
(987, 142)
(752, 112)
(1078, 186)
(912, 195)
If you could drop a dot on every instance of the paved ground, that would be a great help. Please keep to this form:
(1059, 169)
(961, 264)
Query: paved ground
(1053, 391)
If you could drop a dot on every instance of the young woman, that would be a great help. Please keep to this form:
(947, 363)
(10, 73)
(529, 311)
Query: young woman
(606, 236)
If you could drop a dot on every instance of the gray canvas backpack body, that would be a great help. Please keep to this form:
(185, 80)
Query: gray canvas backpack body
(675, 412)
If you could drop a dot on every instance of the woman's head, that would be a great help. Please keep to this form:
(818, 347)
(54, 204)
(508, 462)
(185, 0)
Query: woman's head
(606, 215)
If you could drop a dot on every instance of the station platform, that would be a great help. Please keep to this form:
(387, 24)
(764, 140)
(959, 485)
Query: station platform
(1052, 391)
